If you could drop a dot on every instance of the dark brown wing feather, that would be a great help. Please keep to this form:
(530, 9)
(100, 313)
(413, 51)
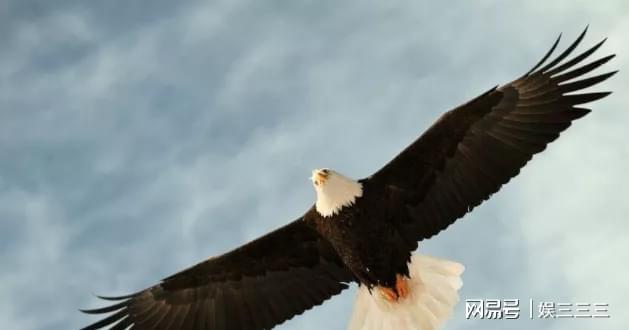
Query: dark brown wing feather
(257, 286)
(471, 151)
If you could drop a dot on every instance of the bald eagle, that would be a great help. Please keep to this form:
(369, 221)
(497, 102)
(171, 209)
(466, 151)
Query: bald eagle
(366, 230)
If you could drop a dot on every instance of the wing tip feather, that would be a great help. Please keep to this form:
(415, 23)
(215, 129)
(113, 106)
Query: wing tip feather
(544, 58)
(103, 310)
(553, 66)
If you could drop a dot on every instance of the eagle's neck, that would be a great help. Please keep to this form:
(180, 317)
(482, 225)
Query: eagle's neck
(337, 193)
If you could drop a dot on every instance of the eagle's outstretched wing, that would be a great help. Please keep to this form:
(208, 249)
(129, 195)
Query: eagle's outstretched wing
(472, 150)
(256, 286)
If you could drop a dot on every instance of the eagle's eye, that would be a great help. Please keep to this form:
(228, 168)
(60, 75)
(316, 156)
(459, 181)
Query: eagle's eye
(325, 171)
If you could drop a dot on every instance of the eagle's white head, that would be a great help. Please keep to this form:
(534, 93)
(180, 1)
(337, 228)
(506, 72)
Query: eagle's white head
(334, 191)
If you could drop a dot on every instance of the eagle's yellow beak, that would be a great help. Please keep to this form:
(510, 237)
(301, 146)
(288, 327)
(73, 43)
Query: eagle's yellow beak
(319, 176)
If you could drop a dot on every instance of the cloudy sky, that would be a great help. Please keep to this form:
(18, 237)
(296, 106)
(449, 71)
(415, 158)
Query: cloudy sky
(139, 138)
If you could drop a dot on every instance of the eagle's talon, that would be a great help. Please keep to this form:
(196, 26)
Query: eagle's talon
(400, 291)
(387, 293)
(401, 285)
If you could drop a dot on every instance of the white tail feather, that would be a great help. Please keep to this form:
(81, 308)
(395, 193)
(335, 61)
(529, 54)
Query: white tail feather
(433, 293)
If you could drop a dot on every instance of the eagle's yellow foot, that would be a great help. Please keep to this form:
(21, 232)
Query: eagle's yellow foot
(401, 285)
(387, 293)
(401, 289)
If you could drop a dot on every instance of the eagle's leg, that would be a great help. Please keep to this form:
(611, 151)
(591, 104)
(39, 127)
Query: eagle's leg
(401, 285)
(388, 293)
(399, 291)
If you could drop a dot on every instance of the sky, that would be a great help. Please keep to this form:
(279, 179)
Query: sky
(138, 138)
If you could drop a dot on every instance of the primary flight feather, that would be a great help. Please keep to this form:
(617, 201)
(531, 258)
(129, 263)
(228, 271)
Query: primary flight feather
(365, 231)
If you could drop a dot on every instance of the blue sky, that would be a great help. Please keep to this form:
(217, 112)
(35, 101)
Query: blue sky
(138, 139)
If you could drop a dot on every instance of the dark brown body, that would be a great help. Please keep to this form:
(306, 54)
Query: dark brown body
(367, 237)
